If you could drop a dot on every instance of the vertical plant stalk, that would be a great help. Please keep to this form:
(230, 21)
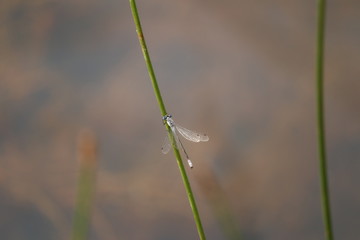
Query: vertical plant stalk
(163, 112)
(321, 8)
(86, 185)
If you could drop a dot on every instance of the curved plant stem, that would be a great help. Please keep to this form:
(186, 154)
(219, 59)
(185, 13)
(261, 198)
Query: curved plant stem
(163, 112)
(321, 119)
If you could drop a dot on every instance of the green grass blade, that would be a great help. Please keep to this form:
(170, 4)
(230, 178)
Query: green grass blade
(321, 6)
(163, 112)
(147, 56)
(86, 186)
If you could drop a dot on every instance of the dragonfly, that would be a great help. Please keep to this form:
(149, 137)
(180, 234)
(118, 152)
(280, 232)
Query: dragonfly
(186, 133)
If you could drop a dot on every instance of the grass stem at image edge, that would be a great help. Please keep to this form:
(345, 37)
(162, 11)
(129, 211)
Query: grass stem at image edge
(163, 112)
(87, 149)
(321, 9)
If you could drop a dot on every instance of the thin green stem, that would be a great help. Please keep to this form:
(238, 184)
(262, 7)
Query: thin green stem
(86, 185)
(147, 56)
(321, 6)
(190, 194)
(163, 112)
(84, 203)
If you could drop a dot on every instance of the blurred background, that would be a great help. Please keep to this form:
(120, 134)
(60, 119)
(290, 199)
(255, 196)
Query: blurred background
(240, 71)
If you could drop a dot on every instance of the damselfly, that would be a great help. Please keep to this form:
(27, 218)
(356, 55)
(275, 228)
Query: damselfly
(186, 133)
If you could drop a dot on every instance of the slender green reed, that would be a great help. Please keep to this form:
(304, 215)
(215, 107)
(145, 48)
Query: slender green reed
(86, 186)
(321, 9)
(163, 112)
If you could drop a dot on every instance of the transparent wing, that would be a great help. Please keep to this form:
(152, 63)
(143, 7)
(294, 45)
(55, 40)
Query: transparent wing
(166, 145)
(192, 136)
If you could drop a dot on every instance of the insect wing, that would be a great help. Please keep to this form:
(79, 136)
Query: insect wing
(166, 145)
(192, 136)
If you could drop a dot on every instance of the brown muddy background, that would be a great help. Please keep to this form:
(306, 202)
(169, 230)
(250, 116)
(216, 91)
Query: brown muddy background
(241, 71)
